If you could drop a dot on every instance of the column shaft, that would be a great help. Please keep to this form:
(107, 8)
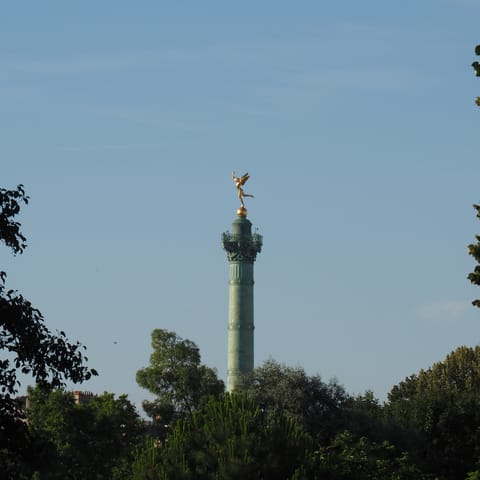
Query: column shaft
(240, 323)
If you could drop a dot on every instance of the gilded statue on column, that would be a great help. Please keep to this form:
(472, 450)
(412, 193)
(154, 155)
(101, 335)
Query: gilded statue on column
(239, 183)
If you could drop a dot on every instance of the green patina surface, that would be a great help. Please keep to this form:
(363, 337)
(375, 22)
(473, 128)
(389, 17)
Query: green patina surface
(242, 247)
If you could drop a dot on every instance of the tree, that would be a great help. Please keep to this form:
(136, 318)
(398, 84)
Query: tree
(441, 407)
(232, 438)
(474, 250)
(315, 405)
(177, 378)
(10, 233)
(84, 441)
(475, 475)
(118, 431)
(26, 345)
(229, 438)
(476, 67)
(365, 418)
(348, 458)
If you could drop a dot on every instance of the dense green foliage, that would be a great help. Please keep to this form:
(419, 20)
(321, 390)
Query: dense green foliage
(84, 441)
(315, 405)
(266, 433)
(350, 458)
(428, 429)
(177, 378)
(441, 409)
(229, 438)
(26, 346)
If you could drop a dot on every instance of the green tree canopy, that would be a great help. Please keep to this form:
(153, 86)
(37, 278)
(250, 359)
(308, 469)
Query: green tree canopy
(233, 438)
(315, 405)
(176, 376)
(442, 406)
(350, 458)
(229, 438)
(85, 441)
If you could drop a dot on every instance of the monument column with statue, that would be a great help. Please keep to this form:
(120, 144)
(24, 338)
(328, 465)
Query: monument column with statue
(242, 247)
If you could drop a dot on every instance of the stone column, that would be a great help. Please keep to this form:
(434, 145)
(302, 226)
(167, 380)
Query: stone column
(242, 247)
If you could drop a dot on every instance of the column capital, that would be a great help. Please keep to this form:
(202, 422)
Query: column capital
(241, 244)
(241, 248)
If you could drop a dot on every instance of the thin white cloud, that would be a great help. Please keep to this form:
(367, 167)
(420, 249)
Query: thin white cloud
(271, 54)
(65, 65)
(98, 62)
(106, 147)
(465, 3)
(153, 118)
(444, 310)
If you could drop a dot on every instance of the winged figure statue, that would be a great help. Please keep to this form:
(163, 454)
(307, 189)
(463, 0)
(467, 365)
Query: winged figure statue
(239, 182)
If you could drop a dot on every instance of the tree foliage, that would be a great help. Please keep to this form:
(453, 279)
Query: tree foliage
(315, 405)
(476, 68)
(176, 376)
(262, 434)
(229, 438)
(441, 406)
(474, 250)
(10, 233)
(26, 344)
(350, 458)
(85, 441)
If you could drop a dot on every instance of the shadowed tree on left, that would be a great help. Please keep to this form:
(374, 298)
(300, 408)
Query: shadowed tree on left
(26, 346)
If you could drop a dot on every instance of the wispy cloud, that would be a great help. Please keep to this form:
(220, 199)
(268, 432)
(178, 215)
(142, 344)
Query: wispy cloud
(66, 65)
(467, 3)
(323, 83)
(97, 61)
(109, 147)
(104, 61)
(444, 310)
(279, 56)
(145, 116)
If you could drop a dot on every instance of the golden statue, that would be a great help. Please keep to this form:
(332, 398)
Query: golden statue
(239, 182)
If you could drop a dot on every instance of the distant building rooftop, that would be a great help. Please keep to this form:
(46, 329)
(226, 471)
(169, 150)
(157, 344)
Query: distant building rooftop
(80, 398)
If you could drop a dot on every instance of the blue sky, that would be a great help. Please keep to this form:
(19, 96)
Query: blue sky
(356, 122)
